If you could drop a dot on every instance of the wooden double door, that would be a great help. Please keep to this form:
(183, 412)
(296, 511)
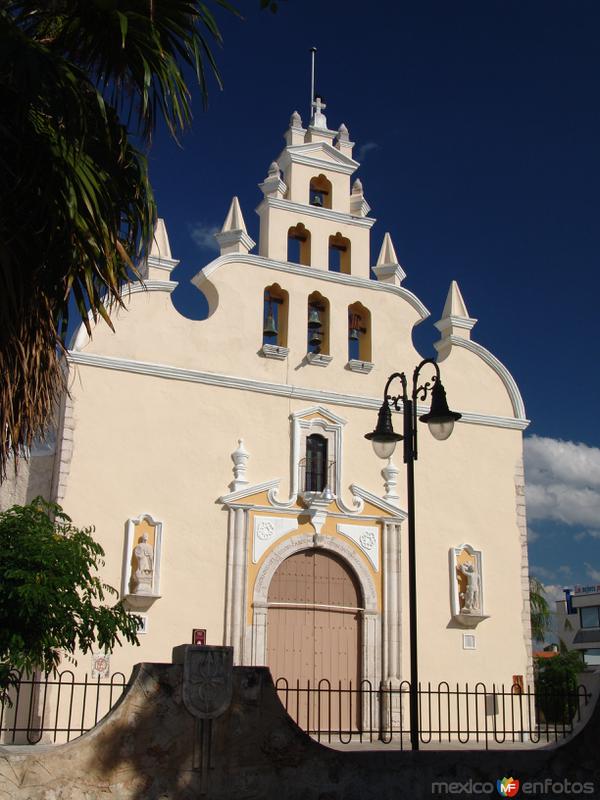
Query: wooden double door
(313, 639)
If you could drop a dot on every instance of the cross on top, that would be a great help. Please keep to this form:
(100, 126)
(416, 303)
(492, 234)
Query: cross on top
(318, 105)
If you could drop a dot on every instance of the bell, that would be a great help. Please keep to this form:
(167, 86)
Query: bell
(270, 329)
(315, 338)
(314, 320)
(354, 334)
(317, 200)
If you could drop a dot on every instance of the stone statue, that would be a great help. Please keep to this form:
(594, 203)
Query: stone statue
(142, 567)
(470, 596)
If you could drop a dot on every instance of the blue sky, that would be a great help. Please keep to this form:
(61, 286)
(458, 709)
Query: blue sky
(478, 125)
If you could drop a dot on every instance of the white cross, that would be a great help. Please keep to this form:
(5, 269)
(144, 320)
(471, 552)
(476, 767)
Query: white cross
(318, 104)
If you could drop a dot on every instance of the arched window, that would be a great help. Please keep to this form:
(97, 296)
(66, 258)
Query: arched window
(320, 193)
(339, 254)
(316, 463)
(299, 245)
(318, 324)
(275, 315)
(359, 333)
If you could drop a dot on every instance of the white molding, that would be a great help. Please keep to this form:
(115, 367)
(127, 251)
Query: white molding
(498, 367)
(80, 336)
(308, 272)
(301, 154)
(466, 323)
(324, 412)
(274, 351)
(315, 211)
(394, 511)
(356, 365)
(229, 238)
(248, 491)
(318, 359)
(265, 387)
(167, 264)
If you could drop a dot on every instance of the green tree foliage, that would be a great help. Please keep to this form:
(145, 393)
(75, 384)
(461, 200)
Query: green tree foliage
(78, 80)
(556, 684)
(51, 599)
(540, 610)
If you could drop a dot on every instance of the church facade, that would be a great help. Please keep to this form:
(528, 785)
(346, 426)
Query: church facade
(224, 465)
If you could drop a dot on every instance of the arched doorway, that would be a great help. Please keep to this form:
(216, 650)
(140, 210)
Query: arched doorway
(313, 636)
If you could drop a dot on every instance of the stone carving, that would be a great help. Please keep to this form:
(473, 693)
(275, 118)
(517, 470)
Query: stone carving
(467, 586)
(365, 537)
(207, 680)
(368, 540)
(268, 530)
(265, 530)
(142, 567)
(469, 598)
(240, 458)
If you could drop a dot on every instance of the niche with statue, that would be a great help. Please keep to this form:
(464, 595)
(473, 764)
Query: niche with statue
(466, 580)
(141, 567)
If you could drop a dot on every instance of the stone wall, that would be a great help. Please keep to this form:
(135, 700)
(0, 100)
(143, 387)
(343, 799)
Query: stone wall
(196, 730)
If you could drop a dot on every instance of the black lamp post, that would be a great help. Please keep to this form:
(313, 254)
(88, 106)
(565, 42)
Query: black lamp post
(441, 422)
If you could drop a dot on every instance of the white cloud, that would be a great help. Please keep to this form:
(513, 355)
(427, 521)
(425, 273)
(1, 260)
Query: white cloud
(563, 481)
(594, 574)
(532, 536)
(203, 235)
(565, 569)
(553, 592)
(364, 149)
(542, 573)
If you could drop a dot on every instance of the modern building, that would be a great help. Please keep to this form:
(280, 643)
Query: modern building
(224, 463)
(578, 622)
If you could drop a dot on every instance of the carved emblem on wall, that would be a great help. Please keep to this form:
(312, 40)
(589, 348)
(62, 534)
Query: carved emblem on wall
(466, 578)
(366, 538)
(265, 530)
(207, 680)
(268, 530)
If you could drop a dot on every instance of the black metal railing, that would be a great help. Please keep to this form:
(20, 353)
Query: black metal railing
(57, 708)
(450, 716)
(314, 476)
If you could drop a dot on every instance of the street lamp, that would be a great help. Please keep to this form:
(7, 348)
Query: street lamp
(441, 422)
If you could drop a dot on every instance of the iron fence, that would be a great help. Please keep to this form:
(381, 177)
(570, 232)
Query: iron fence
(449, 716)
(57, 708)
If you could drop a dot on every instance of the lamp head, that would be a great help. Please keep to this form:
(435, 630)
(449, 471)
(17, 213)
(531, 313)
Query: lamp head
(440, 419)
(383, 437)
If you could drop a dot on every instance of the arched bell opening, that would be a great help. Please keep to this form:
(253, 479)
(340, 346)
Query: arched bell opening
(275, 315)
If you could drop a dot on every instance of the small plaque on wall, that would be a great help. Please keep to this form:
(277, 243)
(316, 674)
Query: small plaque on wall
(100, 665)
(199, 636)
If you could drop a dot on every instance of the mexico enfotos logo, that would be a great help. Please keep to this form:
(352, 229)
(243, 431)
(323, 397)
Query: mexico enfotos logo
(512, 787)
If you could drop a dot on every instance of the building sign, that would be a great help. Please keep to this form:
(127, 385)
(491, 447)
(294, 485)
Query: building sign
(199, 636)
(587, 589)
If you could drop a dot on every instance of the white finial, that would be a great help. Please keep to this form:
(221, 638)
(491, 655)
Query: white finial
(273, 170)
(234, 221)
(455, 319)
(240, 458)
(160, 243)
(357, 187)
(343, 135)
(233, 236)
(390, 475)
(388, 269)
(295, 120)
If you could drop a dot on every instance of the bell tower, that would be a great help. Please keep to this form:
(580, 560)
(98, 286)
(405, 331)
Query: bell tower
(310, 214)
